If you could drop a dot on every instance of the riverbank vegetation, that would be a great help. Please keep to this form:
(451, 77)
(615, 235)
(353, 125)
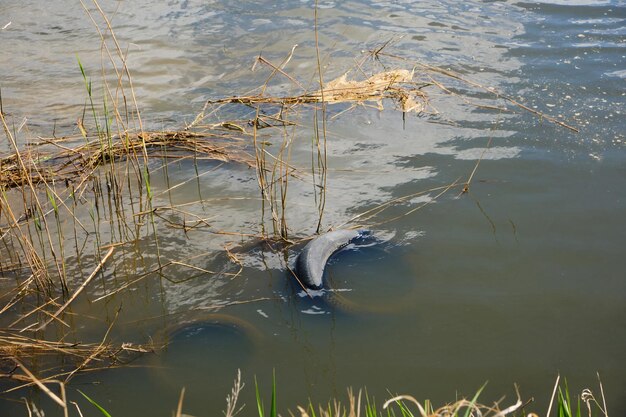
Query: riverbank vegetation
(77, 211)
(362, 404)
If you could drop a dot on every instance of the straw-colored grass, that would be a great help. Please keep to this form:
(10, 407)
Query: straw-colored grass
(16, 349)
(58, 162)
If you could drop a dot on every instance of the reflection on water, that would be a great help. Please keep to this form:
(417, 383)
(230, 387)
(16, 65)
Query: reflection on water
(516, 281)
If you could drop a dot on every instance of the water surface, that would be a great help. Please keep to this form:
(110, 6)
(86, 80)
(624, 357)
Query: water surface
(516, 281)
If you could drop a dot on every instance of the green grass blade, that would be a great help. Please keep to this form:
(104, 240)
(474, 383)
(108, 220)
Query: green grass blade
(52, 200)
(259, 402)
(89, 93)
(102, 410)
(273, 412)
(370, 406)
(404, 409)
(37, 222)
(146, 177)
(567, 398)
(82, 71)
(469, 408)
(563, 408)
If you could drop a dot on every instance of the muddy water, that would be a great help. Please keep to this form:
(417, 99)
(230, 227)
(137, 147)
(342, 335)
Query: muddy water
(514, 282)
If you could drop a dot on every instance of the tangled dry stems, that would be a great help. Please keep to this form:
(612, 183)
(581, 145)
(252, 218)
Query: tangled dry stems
(60, 163)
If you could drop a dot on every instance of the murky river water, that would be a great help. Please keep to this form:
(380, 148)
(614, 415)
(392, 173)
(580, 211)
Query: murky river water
(516, 281)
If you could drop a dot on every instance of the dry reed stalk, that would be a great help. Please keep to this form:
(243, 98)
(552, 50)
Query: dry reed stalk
(14, 343)
(228, 251)
(33, 311)
(323, 161)
(479, 160)
(492, 91)
(123, 59)
(267, 178)
(60, 401)
(231, 399)
(368, 214)
(23, 167)
(98, 350)
(78, 290)
(179, 408)
(556, 387)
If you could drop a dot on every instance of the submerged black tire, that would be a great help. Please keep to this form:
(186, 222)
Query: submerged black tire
(312, 260)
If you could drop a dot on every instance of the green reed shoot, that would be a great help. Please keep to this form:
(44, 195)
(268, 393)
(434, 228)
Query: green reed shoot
(370, 406)
(107, 124)
(470, 407)
(146, 178)
(564, 403)
(102, 410)
(53, 202)
(259, 400)
(89, 94)
(404, 410)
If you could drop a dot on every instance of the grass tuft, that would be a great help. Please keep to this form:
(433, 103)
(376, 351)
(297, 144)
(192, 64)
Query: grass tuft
(259, 401)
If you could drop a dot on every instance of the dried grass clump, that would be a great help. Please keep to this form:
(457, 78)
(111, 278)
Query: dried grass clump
(51, 160)
(396, 85)
(16, 349)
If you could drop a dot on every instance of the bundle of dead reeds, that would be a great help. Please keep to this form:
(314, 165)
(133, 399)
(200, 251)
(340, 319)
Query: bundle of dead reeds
(61, 163)
(86, 356)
